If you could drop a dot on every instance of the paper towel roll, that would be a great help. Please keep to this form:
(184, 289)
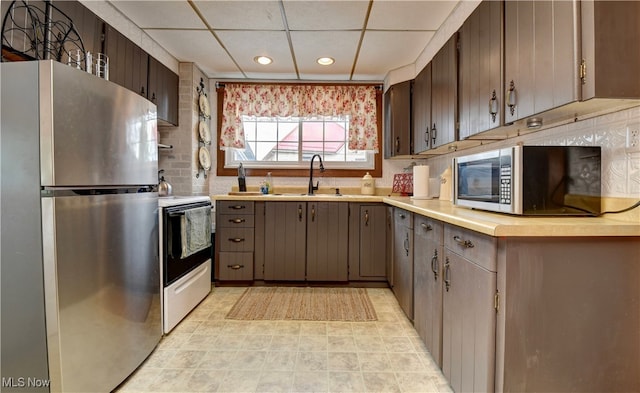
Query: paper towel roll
(421, 181)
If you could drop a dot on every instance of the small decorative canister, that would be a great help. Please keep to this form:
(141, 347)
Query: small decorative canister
(368, 186)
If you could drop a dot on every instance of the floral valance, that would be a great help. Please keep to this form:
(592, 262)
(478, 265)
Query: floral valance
(358, 102)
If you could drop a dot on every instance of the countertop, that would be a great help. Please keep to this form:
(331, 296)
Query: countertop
(493, 224)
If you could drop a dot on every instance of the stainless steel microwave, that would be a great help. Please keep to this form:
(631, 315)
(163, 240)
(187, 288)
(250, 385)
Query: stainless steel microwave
(531, 180)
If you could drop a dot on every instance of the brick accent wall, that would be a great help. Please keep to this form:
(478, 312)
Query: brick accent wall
(181, 162)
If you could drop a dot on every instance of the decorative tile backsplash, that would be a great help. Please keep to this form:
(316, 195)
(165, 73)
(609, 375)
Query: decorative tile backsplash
(616, 133)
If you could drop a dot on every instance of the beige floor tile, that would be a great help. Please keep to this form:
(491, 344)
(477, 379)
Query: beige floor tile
(275, 381)
(345, 382)
(284, 343)
(208, 353)
(341, 344)
(239, 381)
(280, 361)
(313, 343)
(343, 361)
(310, 381)
(380, 382)
(311, 361)
(205, 380)
(339, 329)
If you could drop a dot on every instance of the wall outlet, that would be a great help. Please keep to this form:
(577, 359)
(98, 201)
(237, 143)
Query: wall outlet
(633, 138)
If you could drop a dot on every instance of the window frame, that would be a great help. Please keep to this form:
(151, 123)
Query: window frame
(221, 170)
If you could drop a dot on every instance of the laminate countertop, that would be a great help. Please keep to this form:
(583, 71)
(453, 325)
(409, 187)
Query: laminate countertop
(493, 224)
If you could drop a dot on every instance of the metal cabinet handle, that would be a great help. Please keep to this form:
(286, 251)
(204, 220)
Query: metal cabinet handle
(235, 267)
(142, 93)
(463, 243)
(434, 265)
(406, 244)
(236, 239)
(237, 207)
(366, 218)
(511, 98)
(313, 213)
(447, 274)
(300, 213)
(434, 133)
(153, 97)
(237, 220)
(426, 227)
(426, 135)
(493, 106)
(397, 144)
(402, 216)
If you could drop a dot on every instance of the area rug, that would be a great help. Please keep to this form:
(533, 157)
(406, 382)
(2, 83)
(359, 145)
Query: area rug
(304, 303)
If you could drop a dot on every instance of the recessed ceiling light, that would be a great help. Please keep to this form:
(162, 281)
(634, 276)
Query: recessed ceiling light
(325, 61)
(264, 60)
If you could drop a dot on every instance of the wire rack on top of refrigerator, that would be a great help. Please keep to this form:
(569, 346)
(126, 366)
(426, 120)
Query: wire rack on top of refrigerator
(29, 32)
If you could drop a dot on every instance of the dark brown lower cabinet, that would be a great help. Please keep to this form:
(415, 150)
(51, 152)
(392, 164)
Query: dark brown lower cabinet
(327, 241)
(367, 242)
(469, 313)
(285, 231)
(428, 283)
(403, 260)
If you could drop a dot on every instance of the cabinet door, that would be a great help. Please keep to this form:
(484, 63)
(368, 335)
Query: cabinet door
(398, 120)
(327, 241)
(403, 260)
(427, 284)
(367, 242)
(87, 24)
(481, 87)
(372, 242)
(541, 56)
(444, 94)
(421, 110)
(163, 91)
(469, 320)
(285, 226)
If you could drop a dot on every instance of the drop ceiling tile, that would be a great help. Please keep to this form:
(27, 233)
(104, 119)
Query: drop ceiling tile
(242, 15)
(325, 15)
(199, 47)
(390, 50)
(308, 46)
(245, 45)
(165, 14)
(409, 15)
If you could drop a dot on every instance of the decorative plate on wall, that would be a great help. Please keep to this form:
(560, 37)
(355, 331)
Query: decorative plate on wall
(205, 158)
(204, 106)
(205, 134)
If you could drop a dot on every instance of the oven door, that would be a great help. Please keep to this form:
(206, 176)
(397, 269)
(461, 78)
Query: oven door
(180, 228)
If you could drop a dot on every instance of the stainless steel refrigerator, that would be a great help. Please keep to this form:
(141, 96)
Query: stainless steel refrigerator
(80, 283)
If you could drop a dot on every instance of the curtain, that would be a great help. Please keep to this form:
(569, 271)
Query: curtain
(359, 102)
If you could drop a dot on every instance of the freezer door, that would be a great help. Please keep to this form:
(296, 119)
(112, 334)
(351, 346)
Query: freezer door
(94, 132)
(102, 287)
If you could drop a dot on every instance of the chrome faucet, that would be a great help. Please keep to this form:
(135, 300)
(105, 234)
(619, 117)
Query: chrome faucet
(311, 186)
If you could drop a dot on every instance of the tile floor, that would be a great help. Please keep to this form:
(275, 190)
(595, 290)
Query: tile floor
(208, 353)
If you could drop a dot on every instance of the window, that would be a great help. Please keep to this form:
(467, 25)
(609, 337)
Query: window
(274, 142)
(278, 128)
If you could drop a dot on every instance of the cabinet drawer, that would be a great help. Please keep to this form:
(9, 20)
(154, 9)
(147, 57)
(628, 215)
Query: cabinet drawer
(236, 266)
(235, 207)
(473, 246)
(426, 228)
(236, 239)
(235, 221)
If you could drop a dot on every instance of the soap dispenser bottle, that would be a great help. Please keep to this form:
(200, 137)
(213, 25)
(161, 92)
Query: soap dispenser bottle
(269, 183)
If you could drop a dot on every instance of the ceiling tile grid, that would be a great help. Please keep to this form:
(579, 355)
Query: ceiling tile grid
(367, 38)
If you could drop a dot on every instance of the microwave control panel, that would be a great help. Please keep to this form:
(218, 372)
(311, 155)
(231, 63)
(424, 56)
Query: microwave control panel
(505, 184)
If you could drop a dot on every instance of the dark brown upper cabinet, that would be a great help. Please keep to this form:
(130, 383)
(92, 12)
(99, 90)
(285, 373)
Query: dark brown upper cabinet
(444, 94)
(421, 110)
(480, 70)
(87, 24)
(397, 115)
(163, 91)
